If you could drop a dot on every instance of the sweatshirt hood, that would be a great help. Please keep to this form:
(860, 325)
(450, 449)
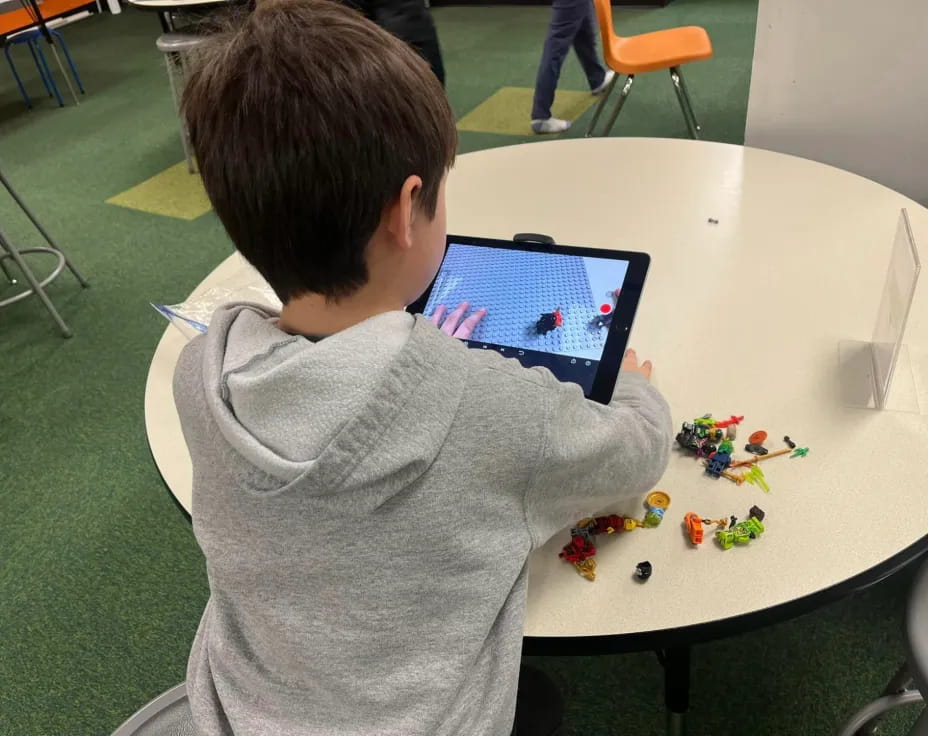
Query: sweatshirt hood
(319, 413)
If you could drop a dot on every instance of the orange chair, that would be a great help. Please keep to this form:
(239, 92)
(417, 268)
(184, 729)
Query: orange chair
(649, 52)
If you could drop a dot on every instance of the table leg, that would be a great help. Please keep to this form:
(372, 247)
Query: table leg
(676, 664)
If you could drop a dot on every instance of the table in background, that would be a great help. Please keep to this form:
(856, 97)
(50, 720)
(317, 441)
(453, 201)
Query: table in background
(744, 316)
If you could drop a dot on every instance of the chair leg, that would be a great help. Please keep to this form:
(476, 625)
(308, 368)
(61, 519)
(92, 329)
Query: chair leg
(623, 95)
(34, 285)
(19, 82)
(601, 105)
(920, 727)
(47, 72)
(679, 86)
(900, 682)
(877, 708)
(67, 56)
(38, 226)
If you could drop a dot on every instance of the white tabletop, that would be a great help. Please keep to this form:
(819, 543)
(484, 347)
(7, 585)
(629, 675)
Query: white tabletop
(744, 316)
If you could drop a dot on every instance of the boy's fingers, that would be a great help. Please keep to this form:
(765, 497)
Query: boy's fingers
(452, 320)
(439, 312)
(646, 368)
(467, 326)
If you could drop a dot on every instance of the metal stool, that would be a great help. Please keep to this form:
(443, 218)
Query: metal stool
(910, 683)
(8, 250)
(175, 46)
(167, 715)
(31, 38)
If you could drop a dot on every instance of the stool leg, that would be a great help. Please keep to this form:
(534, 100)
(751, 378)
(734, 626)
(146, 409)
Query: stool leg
(6, 271)
(173, 64)
(679, 86)
(49, 79)
(67, 56)
(35, 286)
(38, 226)
(67, 79)
(38, 66)
(623, 95)
(601, 106)
(19, 82)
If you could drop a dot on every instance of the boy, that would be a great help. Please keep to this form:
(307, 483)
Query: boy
(366, 489)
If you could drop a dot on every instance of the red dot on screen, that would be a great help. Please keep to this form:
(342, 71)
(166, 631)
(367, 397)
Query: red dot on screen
(605, 308)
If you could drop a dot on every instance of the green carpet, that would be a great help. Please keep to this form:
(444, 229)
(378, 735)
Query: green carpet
(101, 582)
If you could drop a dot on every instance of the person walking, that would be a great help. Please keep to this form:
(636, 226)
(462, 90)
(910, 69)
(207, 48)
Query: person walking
(572, 24)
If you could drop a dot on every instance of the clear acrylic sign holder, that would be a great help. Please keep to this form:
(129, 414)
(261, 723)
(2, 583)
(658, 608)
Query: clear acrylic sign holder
(879, 374)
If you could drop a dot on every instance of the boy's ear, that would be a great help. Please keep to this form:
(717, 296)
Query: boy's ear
(401, 213)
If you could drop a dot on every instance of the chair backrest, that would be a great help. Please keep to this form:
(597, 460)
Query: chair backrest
(606, 31)
(917, 629)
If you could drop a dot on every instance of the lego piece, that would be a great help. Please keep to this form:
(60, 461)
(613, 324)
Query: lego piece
(758, 437)
(631, 524)
(731, 431)
(800, 452)
(687, 438)
(730, 422)
(767, 456)
(717, 464)
(732, 520)
(586, 568)
(658, 499)
(755, 449)
(757, 512)
(726, 446)
(741, 533)
(713, 221)
(788, 441)
(643, 570)
(549, 321)
(578, 549)
(693, 527)
(755, 476)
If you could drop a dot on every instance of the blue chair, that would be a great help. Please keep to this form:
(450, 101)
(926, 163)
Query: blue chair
(31, 37)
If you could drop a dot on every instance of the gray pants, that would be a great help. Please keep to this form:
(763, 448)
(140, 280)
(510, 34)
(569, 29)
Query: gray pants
(572, 23)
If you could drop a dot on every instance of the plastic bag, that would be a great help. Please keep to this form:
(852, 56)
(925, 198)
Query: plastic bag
(192, 316)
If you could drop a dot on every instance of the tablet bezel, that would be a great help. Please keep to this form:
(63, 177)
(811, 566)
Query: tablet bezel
(623, 315)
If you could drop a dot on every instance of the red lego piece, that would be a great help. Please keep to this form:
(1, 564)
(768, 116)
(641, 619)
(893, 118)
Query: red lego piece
(578, 549)
(727, 422)
(558, 318)
(602, 524)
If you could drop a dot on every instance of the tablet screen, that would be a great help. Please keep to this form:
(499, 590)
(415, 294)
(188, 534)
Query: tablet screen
(544, 309)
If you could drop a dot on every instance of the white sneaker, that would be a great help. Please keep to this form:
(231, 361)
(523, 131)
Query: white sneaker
(551, 125)
(607, 80)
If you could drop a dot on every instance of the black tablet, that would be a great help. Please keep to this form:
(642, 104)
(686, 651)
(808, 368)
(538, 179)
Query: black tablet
(565, 308)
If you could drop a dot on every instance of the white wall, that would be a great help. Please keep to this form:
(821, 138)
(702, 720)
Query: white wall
(845, 82)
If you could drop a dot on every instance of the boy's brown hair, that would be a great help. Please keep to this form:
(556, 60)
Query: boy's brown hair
(306, 119)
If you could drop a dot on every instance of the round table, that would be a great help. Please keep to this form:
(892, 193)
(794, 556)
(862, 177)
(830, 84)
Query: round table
(740, 316)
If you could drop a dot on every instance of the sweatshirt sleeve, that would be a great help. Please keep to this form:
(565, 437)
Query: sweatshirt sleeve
(593, 453)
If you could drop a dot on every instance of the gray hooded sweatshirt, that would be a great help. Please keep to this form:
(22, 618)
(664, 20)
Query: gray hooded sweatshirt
(366, 504)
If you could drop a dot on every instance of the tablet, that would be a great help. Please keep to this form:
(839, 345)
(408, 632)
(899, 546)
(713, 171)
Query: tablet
(565, 308)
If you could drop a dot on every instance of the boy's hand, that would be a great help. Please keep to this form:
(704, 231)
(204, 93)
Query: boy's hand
(452, 324)
(630, 364)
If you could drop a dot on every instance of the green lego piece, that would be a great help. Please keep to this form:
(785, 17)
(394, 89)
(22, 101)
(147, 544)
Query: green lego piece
(800, 452)
(706, 421)
(741, 533)
(726, 446)
(755, 476)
